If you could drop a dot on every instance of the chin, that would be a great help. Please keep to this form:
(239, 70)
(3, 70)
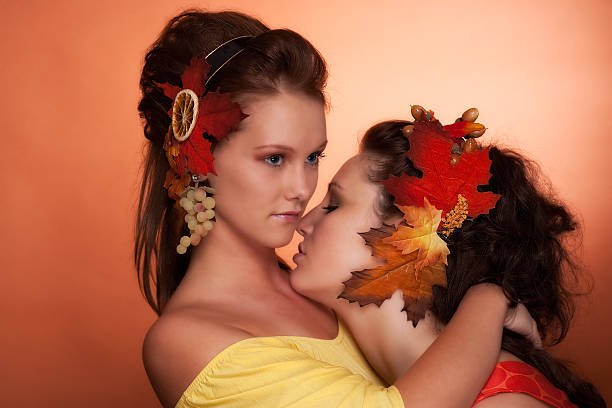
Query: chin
(296, 282)
(279, 240)
(302, 283)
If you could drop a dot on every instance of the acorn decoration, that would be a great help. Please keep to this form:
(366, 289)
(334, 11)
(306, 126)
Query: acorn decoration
(463, 132)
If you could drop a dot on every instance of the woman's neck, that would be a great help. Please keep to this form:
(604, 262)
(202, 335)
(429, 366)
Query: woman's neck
(388, 340)
(386, 337)
(226, 264)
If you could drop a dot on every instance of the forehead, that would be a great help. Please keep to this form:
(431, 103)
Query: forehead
(287, 117)
(353, 174)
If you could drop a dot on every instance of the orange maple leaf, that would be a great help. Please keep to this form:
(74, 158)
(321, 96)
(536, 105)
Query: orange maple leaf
(378, 284)
(176, 184)
(420, 235)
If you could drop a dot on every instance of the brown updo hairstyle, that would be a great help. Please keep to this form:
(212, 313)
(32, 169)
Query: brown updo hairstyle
(518, 246)
(272, 57)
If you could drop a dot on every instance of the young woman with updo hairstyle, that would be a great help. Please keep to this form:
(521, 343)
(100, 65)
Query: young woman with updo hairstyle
(519, 245)
(232, 331)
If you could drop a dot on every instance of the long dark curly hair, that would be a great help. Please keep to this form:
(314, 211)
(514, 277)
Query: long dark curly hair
(519, 245)
(270, 58)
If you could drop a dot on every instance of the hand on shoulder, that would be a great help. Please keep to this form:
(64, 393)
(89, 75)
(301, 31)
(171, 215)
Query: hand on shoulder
(178, 346)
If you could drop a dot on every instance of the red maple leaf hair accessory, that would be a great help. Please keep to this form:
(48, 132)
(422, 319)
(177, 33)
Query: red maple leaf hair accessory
(451, 172)
(200, 117)
(434, 205)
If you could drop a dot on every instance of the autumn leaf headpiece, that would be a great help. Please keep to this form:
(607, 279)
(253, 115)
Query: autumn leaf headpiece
(432, 206)
(200, 116)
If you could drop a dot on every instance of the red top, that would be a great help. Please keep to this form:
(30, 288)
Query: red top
(516, 376)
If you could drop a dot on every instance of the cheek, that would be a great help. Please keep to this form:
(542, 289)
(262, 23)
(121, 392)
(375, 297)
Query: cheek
(244, 185)
(334, 253)
(346, 248)
(311, 181)
(339, 249)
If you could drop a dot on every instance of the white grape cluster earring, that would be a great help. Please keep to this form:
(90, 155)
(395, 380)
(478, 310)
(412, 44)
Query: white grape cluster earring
(199, 207)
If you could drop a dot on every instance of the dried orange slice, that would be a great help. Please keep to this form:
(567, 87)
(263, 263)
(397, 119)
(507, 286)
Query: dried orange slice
(184, 114)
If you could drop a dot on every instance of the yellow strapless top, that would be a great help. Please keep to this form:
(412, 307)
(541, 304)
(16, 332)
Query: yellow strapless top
(290, 371)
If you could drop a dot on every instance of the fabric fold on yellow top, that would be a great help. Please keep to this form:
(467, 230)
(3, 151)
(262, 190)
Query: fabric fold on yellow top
(290, 371)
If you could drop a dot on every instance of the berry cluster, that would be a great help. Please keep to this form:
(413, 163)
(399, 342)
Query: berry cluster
(199, 207)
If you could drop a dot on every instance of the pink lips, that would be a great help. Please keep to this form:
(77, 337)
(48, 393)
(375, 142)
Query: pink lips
(300, 254)
(289, 216)
(297, 257)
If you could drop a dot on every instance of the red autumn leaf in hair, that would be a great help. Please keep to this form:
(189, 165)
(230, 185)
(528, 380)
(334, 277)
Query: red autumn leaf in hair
(170, 91)
(460, 129)
(430, 152)
(195, 156)
(217, 116)
(193, 77)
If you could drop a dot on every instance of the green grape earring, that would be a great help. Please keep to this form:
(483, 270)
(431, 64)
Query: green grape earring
(199, 206)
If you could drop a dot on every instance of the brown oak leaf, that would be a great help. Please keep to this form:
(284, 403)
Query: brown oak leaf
(398, 272)
(176, 184)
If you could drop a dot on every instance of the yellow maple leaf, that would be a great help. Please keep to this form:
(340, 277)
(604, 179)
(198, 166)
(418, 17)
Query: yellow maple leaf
(420, 235)
(398, 272)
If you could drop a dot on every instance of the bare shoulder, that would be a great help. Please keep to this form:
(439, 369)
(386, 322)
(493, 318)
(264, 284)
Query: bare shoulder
(511, 400)
(178, 346)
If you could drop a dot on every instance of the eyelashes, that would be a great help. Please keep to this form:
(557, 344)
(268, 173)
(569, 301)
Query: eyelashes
(330, 208)
(276, 160)
(319, 155)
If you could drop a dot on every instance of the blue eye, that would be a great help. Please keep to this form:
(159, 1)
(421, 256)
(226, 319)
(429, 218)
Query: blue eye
(274, 160)
(314, 158)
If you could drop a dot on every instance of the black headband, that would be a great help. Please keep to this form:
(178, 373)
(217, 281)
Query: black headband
(223, 54)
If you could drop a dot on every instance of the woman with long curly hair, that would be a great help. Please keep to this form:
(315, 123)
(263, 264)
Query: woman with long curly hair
(380, 220)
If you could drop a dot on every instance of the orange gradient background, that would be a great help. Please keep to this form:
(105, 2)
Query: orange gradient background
(72, 316)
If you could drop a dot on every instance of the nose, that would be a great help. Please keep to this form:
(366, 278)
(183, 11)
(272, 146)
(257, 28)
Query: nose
(306, 224)
(300, 184)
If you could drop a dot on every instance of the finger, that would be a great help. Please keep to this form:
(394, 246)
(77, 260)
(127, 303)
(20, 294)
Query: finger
(534, 337)
(530, 329)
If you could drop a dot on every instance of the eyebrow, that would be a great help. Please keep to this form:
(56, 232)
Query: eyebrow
(286, 148)
(334, 184)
